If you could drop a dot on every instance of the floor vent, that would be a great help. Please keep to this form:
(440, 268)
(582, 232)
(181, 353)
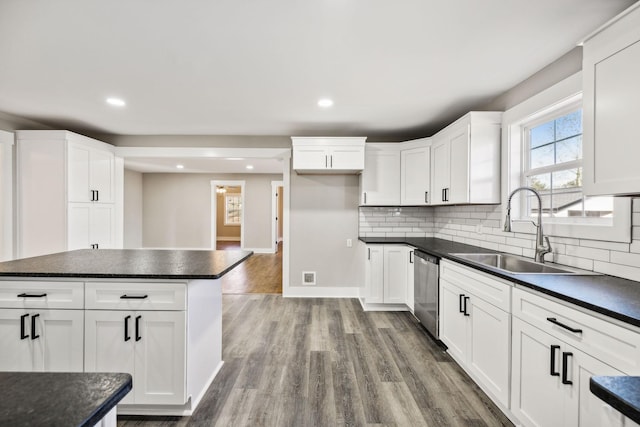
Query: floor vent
(308, 277)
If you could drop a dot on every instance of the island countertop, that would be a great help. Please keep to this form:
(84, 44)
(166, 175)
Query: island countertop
(128, 263)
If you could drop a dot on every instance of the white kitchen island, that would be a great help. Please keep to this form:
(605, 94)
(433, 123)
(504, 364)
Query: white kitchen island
(155, 314)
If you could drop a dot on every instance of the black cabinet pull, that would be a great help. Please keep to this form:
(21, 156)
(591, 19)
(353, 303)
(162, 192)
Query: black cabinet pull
(93, 196)
(460, 303)
(126, 328)
(125, 296)
(326, 161)
(23, 335)
(426, 197)
(442, 195)
(23, 295)
(34, 335)
(368, 253)
(552, 364)
(562, 325)
(410, 257)
(138, 337)
(97, 195)
(365, 197)
(331, 161)
(465, 306)
(565, 362)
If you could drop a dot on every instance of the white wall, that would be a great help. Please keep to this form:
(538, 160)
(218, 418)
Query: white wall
(323, 215)
(177, 209)
(132, 209)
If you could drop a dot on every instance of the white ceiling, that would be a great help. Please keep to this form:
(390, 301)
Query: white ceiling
(249, 67)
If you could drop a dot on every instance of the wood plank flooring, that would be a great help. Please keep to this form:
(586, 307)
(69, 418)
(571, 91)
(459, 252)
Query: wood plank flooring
(325, 362)
(260, 273)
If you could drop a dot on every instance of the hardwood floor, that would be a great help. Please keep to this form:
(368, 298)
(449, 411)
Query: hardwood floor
(260, 273)
(325, 362)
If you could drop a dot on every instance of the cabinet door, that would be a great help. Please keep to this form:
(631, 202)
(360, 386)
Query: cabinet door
(310, 158)
(410, 278)
(101, 177)
(79, 158)
(488, 348)
(374, 274)
(537, 397)
(415, 176)
(348, 158)
(380, 183)
(79, 226)
(109, 344)
(395, 274)
(160, 356)
(102, 222)
(453, 322)
(458, 191)
(60, 343)
(439, 171)
(17, 353)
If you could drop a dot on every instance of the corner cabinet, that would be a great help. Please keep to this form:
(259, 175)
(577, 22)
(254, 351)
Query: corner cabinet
(71, 178)
(465, 160)
(611, 98)
(380, 180)
(328, 155)
(415, 176)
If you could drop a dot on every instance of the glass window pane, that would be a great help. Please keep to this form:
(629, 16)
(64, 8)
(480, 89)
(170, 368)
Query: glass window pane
(540, 182)
(542, 134)
(542, 156)
(569, 125)
(569, 149)
(567, 203)
(570, 178)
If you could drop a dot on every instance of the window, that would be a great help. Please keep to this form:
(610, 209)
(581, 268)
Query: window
(553, 166)
(542, 139)
(232, 209)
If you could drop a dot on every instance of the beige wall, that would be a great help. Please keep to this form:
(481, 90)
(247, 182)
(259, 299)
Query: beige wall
(177, 209)
(226, 232)
(132, 210)
(323, 215)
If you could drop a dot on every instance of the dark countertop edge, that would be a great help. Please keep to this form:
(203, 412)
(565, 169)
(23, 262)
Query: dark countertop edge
(512, 278)
(108, 404)
(612, 397)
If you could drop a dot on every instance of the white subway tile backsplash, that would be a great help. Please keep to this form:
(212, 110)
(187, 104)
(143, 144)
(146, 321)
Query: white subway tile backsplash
(481, 225)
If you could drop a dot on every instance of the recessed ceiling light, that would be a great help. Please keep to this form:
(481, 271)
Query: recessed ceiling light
(180, 166)
(325, 103)
(249, 167)
(116, 102)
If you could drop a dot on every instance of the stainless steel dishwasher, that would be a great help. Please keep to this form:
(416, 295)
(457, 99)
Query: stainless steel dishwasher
(426, 291)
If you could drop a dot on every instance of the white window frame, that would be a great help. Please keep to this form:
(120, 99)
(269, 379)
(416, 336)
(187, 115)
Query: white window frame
(226, 209)
(555, 99)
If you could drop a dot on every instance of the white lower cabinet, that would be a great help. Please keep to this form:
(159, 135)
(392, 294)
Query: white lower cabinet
(410, 278)
(41, 340)
(149, 345)
(553, 359)
(476, 331)
(386, 274)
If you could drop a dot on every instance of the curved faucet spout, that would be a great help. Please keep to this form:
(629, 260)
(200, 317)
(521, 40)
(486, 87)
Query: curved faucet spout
(542, 243)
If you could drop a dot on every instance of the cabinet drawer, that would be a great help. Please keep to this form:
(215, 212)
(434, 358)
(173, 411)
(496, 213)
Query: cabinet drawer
(491, 289)
(41, 294)
(135, 296)
(606, 341)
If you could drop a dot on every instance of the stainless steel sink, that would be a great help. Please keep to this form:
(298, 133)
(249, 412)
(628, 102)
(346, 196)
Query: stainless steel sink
(518, 265)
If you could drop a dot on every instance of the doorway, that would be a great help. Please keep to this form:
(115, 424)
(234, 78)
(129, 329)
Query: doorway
(227, 214)
(277, 209)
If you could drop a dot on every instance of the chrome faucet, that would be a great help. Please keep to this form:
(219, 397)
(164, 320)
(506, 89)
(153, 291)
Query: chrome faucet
(541, 247)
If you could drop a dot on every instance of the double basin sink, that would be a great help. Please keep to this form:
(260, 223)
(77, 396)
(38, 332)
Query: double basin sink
(517, 265)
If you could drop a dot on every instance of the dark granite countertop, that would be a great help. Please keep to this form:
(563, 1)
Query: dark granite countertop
(59, 399)
(622, 393)
(612, 296)
(128, 263)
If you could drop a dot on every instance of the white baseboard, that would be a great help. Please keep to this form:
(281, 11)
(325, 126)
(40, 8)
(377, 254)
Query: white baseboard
(383, 307)
(228, 239)
(321, 292)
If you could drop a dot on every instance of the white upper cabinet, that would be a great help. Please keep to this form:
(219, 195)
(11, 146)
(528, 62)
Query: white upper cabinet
(380, 180)
(611, 144)
(465, 160)
(326, 155)
(66, 193)
(415, 176)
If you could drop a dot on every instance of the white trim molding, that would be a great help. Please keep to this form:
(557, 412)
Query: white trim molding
(6, 195)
